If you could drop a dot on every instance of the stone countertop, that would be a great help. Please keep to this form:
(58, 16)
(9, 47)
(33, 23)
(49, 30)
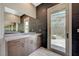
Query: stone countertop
(19, 36)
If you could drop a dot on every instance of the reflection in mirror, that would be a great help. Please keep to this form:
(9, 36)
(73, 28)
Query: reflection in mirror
(14, 21)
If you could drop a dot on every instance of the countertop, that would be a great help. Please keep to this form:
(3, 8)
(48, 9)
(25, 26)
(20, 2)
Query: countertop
(9, 37)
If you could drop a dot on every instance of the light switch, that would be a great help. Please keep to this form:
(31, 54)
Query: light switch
(78, 30)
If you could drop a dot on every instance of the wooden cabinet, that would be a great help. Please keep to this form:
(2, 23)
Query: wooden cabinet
(16, 47)
(23, 47)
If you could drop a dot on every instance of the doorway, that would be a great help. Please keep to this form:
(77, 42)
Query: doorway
(59, 29)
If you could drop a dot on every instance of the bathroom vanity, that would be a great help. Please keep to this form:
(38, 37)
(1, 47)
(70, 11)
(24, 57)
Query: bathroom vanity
(22, 44)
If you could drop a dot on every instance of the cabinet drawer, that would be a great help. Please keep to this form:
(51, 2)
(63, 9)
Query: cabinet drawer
(16, 47)
(19, 42)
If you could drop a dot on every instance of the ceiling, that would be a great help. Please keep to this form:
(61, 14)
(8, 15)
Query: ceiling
(36, 4)
(12, 11)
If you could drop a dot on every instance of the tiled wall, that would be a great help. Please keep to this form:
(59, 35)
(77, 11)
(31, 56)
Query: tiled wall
(41, 21)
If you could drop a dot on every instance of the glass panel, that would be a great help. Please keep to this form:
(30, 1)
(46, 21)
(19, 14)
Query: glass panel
(58, 30)
(26, 27)
(26, 23)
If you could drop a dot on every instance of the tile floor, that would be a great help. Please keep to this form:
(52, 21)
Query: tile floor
(43, 52)
(58, 44)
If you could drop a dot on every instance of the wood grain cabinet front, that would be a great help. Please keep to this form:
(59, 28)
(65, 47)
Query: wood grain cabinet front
(16, 47)
(24, 46)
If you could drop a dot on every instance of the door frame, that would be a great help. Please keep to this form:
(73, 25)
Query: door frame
(68, 30)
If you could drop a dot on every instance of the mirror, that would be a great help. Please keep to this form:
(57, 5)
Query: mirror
(14, 22)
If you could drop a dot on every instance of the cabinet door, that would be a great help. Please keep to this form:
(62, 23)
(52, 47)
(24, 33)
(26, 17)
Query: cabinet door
(26, 46)
(16, 47)
(30, 45)
(39, 41)
(33, 44)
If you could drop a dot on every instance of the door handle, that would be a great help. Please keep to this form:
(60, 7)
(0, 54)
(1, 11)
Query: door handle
(67, 35)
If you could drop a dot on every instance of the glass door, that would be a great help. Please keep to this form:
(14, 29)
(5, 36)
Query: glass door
(59, 29)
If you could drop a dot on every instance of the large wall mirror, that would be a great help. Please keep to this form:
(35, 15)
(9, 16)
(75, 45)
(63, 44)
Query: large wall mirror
(15, 21)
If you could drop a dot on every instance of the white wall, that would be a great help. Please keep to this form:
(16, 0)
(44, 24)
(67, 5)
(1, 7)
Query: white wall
(2, 41)
(26, 8)
(1, 22)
